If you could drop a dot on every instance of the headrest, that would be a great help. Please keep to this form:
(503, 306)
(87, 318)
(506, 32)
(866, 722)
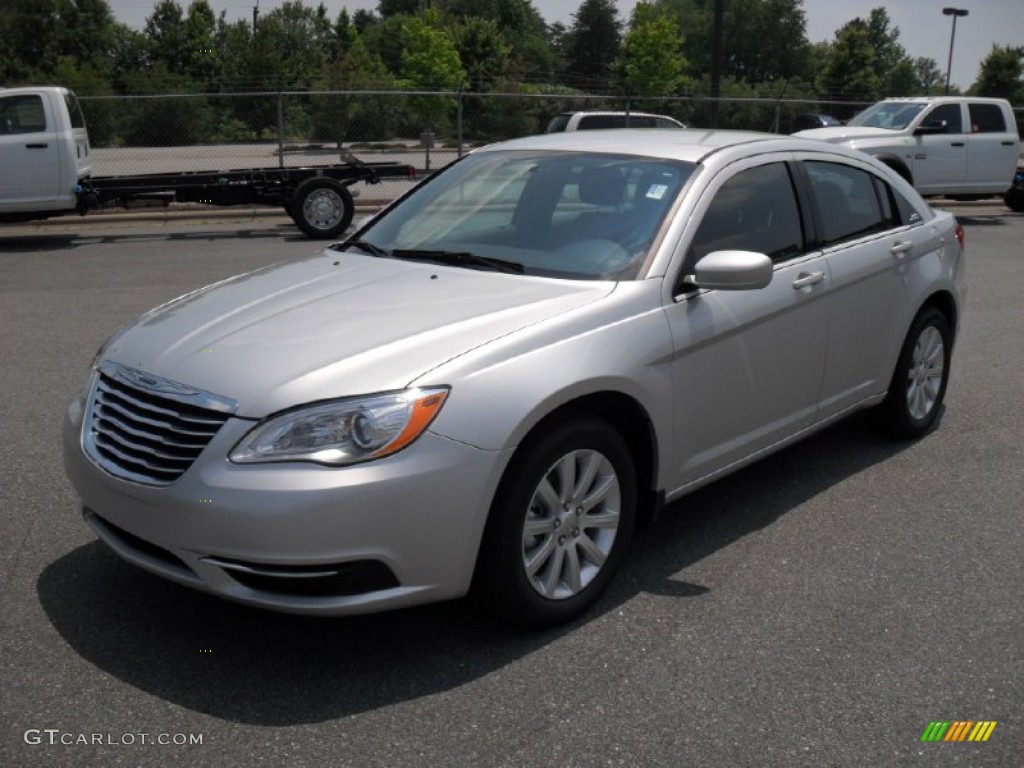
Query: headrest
(603, 186)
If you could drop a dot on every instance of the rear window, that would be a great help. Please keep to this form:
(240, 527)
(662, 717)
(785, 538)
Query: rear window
(987, 118)
(558, 123)
(74, 111)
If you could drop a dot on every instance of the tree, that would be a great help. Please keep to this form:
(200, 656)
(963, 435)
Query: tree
(929, 78)
(35, 35)
(363, 117)
(762, 39)
(850, 73)
(1002, 74)
(593, 44)
(430, 62)
(892, 65)
(483, 51)
(167, 36)
(651, 62)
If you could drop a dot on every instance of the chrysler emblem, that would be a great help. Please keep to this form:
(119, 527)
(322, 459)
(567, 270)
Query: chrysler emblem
(151, 383)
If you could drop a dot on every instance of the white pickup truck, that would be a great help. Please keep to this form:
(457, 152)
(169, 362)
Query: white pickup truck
(46, 170)
(962, 147)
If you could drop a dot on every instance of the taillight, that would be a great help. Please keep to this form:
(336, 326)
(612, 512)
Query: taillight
(959, 234)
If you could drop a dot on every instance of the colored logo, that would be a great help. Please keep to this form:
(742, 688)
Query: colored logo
(958, 730)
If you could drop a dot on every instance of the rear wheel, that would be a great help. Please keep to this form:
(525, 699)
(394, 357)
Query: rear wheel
(918, 385)
(559, 524)
(321, 208)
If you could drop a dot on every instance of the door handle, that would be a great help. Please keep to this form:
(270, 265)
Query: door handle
(898, 248)
(1007, 143)
(805, 279)
(36, 146)
(956, 144)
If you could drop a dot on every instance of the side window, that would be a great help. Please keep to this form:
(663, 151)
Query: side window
(847, 202)
(755, 210)
(908, 213)
(598, 122)
(22, 114)
(987, 118)
(950, 113)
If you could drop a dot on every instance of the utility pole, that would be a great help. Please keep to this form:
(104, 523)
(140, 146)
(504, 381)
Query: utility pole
(954, 12)
(716, 59)
(255, 15)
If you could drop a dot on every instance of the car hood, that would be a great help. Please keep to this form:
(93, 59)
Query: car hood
(839, 133)
(335, 325)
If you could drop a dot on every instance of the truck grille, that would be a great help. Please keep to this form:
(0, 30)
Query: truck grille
(146, 428)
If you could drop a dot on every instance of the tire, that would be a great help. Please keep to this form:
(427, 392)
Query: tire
(918, 386)
(898, 166)
(1014, 199)
(539, 565)
(321, 208)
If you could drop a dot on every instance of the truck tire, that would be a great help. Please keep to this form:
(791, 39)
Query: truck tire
(897, 165)
(1014, 199)
(321, 208)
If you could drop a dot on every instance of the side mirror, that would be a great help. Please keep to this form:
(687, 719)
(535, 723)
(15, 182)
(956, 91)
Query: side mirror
(732, 271)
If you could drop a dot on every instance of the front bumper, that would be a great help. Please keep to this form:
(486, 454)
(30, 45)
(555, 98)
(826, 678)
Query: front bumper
(300, 537)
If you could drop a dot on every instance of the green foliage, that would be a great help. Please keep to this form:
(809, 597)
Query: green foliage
(651, 62)
(763, 40)
(430, 62)
(1002, 74)
(593, 44)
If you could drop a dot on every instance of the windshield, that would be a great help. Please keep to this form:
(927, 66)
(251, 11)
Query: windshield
(894, 115)
(562, 214)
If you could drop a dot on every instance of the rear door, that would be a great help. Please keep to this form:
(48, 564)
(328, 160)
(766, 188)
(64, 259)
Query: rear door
(859, 226)
(992, 148)
(29, 151)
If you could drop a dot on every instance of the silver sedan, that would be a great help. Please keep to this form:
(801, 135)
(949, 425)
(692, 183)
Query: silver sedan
(489, 385)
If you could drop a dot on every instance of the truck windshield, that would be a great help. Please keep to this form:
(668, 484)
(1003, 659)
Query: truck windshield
(894, 115)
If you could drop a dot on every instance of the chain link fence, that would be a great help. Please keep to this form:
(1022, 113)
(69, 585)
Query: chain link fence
(156, 134)
(134, 135)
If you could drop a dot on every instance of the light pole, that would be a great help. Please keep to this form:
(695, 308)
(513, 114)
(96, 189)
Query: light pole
(954, 12)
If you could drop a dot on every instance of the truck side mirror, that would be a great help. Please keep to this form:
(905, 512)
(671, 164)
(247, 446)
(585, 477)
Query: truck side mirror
(932, 126)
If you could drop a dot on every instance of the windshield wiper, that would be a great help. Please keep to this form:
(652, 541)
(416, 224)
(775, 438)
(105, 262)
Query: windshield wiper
(459, 259)
(364, 245)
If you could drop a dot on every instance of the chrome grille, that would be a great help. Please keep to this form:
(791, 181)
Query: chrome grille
(146, 428)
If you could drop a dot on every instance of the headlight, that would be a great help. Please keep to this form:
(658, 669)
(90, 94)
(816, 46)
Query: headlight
(343, 431)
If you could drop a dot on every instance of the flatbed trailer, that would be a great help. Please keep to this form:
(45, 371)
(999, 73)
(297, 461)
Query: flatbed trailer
(317, 198)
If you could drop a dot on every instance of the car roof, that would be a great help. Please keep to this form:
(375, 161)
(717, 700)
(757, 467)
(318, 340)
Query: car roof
(689, 144)
(614, 113)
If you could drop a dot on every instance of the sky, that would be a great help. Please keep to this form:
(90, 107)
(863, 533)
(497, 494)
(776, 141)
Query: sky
(924, 31)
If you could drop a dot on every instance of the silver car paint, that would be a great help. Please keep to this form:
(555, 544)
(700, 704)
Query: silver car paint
(721, 382)
(334, 325)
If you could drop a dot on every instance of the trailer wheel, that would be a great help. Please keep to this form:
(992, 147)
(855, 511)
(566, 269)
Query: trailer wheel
(321, 208)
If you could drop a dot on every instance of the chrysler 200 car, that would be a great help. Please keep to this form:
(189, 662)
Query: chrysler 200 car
(486, 387)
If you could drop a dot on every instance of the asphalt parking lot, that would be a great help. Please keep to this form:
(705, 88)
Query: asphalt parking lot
(820, 608)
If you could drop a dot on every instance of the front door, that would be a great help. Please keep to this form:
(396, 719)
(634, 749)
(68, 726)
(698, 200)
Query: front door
(747, 365)
(29, 154)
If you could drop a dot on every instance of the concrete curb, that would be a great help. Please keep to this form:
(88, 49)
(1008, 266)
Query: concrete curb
(183, 213)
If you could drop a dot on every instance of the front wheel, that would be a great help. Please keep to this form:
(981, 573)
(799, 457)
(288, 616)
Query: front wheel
(321, 208)
(918, 385)
(559, 524)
